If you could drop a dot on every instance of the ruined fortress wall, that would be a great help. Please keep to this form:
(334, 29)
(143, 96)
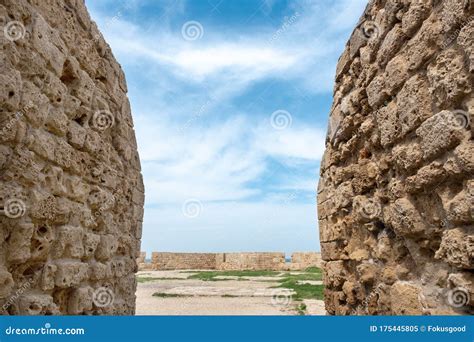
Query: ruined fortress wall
(183, 261)
(302, 260)
(251, 261)
(71, 191)
(229, 261)
(396, 193)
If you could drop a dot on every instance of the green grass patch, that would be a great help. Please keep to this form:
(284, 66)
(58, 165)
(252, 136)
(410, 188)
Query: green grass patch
(301, 309)
(228, 296)
(147, 279)
(304, 291)
(169, 295)
(211, 275)
(303, 276)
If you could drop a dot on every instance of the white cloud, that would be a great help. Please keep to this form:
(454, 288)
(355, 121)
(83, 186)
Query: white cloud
(217, 163)
(195, 142)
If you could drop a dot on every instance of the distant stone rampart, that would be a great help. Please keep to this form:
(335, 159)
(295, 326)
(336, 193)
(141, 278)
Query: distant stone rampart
(229, 261)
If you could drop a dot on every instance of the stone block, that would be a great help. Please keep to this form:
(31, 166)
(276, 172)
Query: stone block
(413, 104)
(80, 301)
(457, 248)
(449, 80)
(438, 134)
(70, 273)
(405, 298)
(37, 304)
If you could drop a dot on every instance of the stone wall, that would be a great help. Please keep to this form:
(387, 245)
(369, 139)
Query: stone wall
(183, 261)
(71, 191)
(250, 261)
(302, 260)
(396, 193)
(229, 261)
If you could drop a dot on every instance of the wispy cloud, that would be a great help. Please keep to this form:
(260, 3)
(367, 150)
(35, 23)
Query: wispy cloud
(202, 111)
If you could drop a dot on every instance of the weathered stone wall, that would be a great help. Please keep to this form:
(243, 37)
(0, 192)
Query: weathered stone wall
(251, 261)
(396, 193)
(183, 261)
(302, 260)
(229, 261)
(71, 191)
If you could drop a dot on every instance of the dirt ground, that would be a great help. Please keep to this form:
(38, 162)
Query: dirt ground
(228, 296)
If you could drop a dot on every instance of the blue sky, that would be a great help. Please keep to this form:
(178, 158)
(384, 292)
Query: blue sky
(230, 101)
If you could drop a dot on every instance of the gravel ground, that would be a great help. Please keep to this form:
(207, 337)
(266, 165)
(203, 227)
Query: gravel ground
(224, 297)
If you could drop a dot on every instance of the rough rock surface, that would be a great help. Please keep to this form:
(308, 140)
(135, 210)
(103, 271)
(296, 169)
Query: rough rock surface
(396, 193)
(71, 190)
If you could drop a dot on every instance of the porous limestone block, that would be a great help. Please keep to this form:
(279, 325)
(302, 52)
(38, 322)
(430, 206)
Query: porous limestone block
(10, 85)
(391, 44)
(6, 283)
(48, 276)
(107, 246)
(405, 218)
(413, 18)
(37, 304)
(466, 40)
(460, 209)
(19, 244)
(387, 121)
(376, 91)
(464, 154)
(100, 271)
(425, 43)
(457, 248)
(90, 242)
(367, 272)
(80, 300)
(448, 77)
(413, 104)
(47, 43)
(70, 273)
(438, 134)
(335, 274)
(396, 73)
(69, 242)
(407, 156)
(405, 298)
(56, 122)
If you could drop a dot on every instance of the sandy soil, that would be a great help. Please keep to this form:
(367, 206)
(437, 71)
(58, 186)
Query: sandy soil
(228, 296)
